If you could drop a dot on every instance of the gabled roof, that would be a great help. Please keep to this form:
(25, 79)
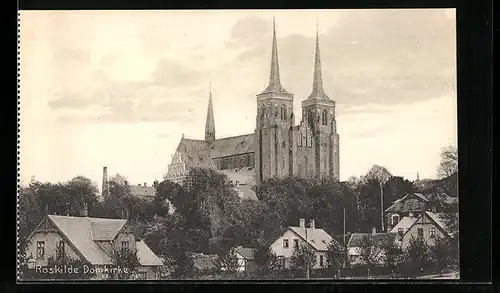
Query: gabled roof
(356, 239)
(231, 146)
(146, 255)
(145, 191)
(79, 233)
(439, 220)
(404, 223)
(317, 237)
(195, 153)
(246, 253)
(105, 229)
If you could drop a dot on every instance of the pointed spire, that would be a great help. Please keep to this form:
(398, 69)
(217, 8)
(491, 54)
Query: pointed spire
(317, 90)
(210, 123)
(274, 77)
(418, 176)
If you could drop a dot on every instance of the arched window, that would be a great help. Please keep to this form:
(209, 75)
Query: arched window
(395, 219)
(285, 116)
(299, 139)
(324, 117)
(281, 113)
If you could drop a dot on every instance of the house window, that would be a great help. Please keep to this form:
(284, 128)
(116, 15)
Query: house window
(125, 246)
(299, 139)
(420, 232)
(400, 231)
(324, 117)
(40, 249)
(295, 243)
(141, 275)
(321, 261)
(285, 243)
(60, 248)
(417, 206)
(410, 206)
(432, 232)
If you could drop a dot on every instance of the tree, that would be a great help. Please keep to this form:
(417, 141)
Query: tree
(444, 254)
(382, 175)
(125, 263)
(226, 261)
(392, 254)
(369, 252)
(416, 257)
(303, 258)
(449, 162)
(336, 257)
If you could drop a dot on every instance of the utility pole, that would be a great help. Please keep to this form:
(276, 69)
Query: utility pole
(382, 204)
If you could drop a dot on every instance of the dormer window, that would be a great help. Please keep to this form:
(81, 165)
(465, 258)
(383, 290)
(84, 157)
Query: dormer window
(400, 232)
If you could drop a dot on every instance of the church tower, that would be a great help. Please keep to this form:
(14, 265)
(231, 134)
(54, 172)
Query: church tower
(319, 111)
(210, 123)
(273, 152)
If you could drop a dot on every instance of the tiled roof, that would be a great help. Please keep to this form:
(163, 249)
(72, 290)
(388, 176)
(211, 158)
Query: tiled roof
(247, 253)
(404, 223)
(246, 192)
(78, 231)
(356, 239)
(195, 153)
(146, 191)
(318, 238)
(146, 255)
(230, 146)
(105, 229)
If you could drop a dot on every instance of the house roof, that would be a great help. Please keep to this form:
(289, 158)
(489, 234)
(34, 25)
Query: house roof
(246, 253)
(86, 233)
(146, 255)
(356, 239)
(79, 232)
(231, 146)
(424, 197)
(317, 237)
(105, 229)
(404, 223)
(438, 218)
(145, 191)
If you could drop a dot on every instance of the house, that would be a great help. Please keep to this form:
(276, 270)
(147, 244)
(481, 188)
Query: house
(91, 240)
(143, 191)
(428, 225)
(416, 203)
(243, 179)
(317, 239)
(357, 249)
(246, 259)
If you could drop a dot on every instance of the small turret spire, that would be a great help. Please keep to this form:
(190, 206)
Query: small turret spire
(317, 90)
(274, 76)
(210, 123)
(418, 176)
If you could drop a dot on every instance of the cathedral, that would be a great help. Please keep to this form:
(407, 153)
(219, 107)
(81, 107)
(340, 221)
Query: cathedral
(278, 147)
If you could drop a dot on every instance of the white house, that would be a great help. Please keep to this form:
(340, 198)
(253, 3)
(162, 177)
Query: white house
(317, 239)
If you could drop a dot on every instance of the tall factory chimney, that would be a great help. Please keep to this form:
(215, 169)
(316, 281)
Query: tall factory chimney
(105, 186)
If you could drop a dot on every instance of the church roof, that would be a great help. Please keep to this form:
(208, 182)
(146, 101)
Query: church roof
(195, 153)
(231, 146)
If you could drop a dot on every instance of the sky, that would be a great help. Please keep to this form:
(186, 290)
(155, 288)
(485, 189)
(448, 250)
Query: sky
(120, 88)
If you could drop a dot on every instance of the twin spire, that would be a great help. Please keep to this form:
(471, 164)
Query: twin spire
(274, 77)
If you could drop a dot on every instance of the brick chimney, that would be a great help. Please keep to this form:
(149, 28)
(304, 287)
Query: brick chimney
(410, 215)
(311, 225)
(145, 184)
(374, 230)
(302, 223)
